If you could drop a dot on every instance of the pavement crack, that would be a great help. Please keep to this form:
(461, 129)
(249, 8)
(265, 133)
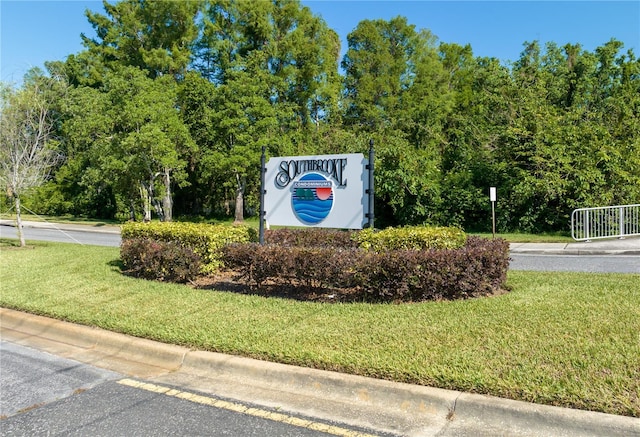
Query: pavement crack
(452, 411)
(450, 417)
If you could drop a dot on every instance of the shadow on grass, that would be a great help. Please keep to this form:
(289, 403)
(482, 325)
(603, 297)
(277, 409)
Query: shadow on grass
(116, 265)
(8, 243)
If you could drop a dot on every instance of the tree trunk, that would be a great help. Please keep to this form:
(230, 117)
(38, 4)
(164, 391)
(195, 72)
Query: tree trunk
(19, 222)
(146, 202)
(157, 205)
(132, 211)
(167, 200)
(239, 217)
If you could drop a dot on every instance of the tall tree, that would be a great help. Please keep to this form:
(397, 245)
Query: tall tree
(150, 140)
(396, 91)
(155, 36)
(245, 122)
(274, 68)
(471, 131)
(378, 69)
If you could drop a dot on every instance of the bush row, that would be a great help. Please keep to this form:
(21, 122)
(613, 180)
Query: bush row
(408, 237)
(204, 240)
(478, 268)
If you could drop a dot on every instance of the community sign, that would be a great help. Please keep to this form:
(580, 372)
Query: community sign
(327, 191)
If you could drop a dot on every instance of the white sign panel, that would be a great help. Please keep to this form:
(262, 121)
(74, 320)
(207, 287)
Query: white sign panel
(326, 191)
(492, 194)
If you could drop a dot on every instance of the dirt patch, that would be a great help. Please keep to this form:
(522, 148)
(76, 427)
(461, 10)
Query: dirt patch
(231, 281)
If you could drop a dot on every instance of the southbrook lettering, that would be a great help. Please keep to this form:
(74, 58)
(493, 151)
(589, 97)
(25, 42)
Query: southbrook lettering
(333, 168)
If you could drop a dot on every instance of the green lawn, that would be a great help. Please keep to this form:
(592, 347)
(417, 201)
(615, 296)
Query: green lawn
(563, 339)
(530, 238)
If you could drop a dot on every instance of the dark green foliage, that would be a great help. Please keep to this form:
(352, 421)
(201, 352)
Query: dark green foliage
(160, 260)
(169, 106)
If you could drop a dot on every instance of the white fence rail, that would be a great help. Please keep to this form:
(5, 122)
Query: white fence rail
(605, 222)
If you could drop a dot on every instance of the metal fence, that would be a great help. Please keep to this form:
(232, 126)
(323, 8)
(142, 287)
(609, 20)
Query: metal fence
(605, 222)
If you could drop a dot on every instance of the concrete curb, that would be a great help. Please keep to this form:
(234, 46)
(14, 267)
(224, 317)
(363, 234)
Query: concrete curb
(522, 418)
(428, 411)
(141, 357)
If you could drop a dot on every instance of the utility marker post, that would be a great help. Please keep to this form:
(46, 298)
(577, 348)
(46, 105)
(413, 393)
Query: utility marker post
(492, 198)
(263, 170)
(370, 191)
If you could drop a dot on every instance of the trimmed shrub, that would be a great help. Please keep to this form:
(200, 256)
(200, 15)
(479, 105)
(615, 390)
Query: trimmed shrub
(308, 266)
(160, 260)
(203, 239)
(479, 268)
(411, 238)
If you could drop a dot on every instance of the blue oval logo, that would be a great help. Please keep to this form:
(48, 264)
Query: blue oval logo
(312, 198)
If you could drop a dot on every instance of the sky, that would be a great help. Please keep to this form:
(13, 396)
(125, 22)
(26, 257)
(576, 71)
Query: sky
(35, 31)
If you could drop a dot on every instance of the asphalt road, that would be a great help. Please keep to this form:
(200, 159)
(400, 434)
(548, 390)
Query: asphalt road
(64, 236)
(43, 394)
(576, 263)
(520, 261)
(89, 237)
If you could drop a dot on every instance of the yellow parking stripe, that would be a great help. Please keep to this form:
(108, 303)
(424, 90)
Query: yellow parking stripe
(239, 408)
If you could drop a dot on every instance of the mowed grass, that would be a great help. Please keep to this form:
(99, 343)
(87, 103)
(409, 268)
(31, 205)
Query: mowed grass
(563, 339)
(529, 238)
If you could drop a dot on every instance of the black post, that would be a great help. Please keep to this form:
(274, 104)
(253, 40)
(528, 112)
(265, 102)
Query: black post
(263, 170)
(370, 190)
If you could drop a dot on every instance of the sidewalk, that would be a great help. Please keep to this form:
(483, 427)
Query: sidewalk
(383, 406)
(610, 246)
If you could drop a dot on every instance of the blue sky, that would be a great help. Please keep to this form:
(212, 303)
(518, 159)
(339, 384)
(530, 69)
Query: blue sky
(33, 32)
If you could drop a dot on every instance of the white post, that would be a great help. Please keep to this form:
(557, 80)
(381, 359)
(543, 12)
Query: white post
(492, 198)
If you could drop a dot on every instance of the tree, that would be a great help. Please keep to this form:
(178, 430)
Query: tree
(471, 130)
(378, 70)
(155, 36)
(244, 119)
(396, 92)
(26, 152)
(274, 70)
(149, 141)
(127, 140)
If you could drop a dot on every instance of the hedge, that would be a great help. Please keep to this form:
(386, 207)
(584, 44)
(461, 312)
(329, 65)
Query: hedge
(204, 240)
(408, 237)
(479, 268)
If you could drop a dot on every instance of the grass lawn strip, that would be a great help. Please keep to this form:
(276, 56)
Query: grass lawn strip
(565, 339)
